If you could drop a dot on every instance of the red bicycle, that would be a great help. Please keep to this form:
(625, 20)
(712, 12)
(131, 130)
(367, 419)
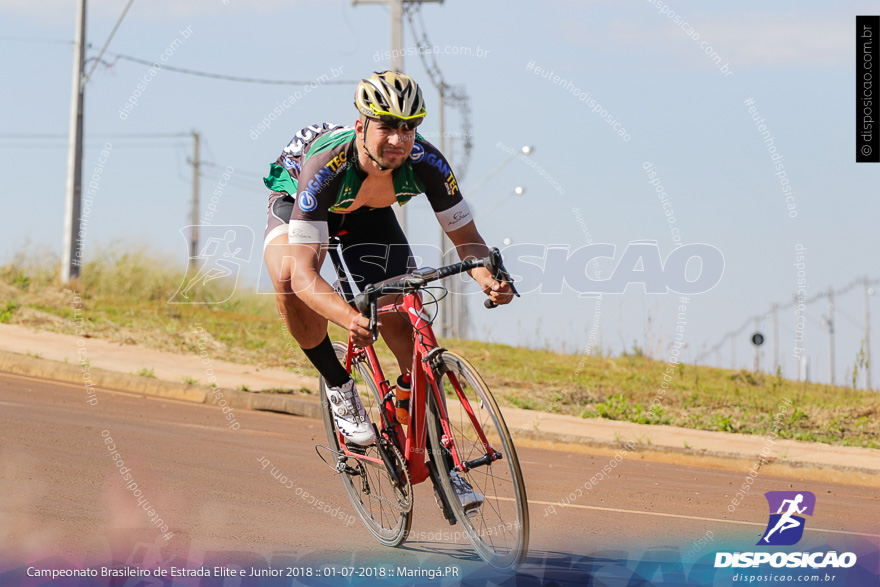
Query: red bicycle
(453, 421)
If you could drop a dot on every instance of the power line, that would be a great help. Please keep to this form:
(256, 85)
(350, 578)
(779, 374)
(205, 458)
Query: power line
(787, 329)
(456, 95)
(237, 171)
(142, 135)
(32, 136)
(847, 316)
(208, 148)
(230, 78)
(225, 77)
(814, 321)
(89, 145)
(233, 184)
(845, 289)
(107, 43)
(35, 40)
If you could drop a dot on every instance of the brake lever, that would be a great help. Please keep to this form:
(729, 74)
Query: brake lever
(367, 305)
(374, 321)
(499, 273)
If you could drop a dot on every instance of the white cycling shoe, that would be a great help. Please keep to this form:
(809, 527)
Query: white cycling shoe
(470, 499)
(349, 414)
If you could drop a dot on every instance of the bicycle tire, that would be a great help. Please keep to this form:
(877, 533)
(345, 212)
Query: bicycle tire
(499, 531)
(388, 525)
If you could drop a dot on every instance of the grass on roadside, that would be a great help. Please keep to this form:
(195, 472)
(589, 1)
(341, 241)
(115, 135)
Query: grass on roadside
(124, 297)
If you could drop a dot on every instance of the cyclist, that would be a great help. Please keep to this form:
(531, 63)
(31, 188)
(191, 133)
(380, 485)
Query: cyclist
(335, 180)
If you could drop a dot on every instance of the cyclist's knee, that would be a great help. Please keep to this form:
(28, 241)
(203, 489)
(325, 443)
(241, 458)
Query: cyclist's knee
(277, 256)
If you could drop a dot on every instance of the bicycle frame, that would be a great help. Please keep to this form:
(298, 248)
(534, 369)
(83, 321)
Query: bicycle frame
(413, 444)
(395, 445)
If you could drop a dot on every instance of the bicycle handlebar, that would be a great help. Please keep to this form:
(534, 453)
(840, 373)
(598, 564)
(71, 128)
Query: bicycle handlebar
(367, 301)
(499, 273)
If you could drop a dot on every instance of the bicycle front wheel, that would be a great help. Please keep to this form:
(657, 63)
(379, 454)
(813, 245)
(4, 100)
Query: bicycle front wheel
(383, 503)
(499, 528)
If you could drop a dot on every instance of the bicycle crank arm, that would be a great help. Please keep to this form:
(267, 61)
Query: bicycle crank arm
(483, 460)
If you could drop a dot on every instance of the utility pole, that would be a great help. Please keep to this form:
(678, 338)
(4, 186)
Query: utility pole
(448, 309)
(194, 213)
(453, 318)
(799, 360)
(442, 115)
(396, 58)
(831, 329)
(455, 321)
(397, 65)
(396, 35)
(72, 250)
(775, 338)
(757, 348)
(868, 293)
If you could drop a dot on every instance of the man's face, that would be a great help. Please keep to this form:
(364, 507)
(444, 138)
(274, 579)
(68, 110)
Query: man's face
(390, 146)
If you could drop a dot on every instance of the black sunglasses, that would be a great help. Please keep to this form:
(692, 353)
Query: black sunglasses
(395, 122)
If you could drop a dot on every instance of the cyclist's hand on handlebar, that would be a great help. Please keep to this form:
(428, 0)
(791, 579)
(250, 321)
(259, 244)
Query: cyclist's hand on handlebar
(499, 292)
(359, 331)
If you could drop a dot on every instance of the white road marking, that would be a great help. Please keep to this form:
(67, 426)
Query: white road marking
(661, 514)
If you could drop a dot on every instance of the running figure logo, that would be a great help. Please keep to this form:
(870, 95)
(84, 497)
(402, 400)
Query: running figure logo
(225, 250)
(786, 526)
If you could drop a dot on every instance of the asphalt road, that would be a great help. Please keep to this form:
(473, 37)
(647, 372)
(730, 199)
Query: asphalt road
(61, 494)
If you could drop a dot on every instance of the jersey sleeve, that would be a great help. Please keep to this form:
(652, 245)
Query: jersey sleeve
(318, 182)
(305, 174)
(441, 186)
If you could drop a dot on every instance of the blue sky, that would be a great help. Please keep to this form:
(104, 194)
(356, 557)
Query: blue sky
(795, 59)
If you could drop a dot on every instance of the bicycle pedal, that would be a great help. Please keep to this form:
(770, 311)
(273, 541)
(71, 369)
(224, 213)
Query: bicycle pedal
(473, 513)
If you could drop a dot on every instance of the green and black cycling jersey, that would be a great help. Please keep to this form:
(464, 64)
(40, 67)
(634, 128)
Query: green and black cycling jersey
(320, 169)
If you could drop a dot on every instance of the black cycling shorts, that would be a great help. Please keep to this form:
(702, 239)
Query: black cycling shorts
(374, 247)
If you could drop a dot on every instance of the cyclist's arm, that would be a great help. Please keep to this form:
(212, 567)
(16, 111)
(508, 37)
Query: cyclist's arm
(454, 216)
(308, 285)
(469, 245)
(315, 188)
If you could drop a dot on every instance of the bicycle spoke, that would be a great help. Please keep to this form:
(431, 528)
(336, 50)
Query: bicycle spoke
(498, 529)
(385, 510)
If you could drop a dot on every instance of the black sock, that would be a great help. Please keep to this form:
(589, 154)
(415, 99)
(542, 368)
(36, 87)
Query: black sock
(323, 357)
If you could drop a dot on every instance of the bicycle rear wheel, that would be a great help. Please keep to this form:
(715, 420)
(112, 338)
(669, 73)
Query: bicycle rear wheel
(499, 529)
(384, 506)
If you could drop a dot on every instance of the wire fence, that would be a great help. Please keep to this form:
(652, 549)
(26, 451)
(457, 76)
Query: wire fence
(784, 327)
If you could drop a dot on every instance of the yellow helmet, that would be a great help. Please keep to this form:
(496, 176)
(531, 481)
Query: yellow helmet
(394, 98)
